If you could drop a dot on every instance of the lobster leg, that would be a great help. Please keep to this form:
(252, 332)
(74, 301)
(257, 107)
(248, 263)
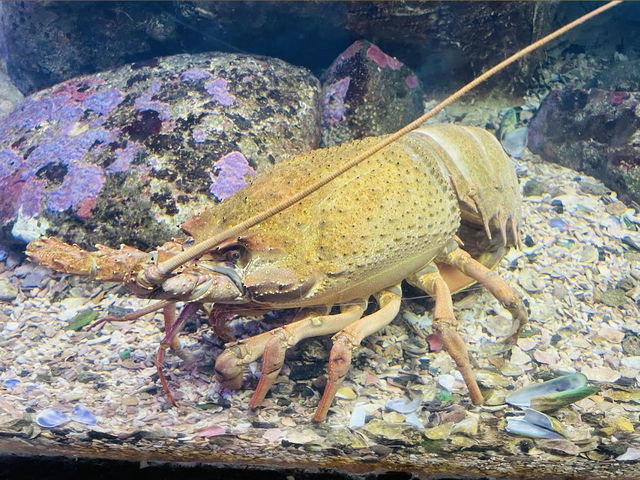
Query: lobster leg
(349, 338)
(500, 289)
(170, 339)
(308, 323)
(445, 324)
(312, 324)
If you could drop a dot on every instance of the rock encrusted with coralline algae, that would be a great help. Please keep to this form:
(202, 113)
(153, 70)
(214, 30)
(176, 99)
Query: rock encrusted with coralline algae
(124, 156)
(367, 92)
(594, 131)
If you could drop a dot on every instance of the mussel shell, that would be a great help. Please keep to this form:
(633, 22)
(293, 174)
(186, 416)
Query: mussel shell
(553, 394)
(519, 426)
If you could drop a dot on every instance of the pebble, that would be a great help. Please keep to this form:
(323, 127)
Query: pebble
(631, 344)
(548, 357)
(531, 280)
(440, 432)
(631, 362)
(346, 393)
(468, 426)
(8, 291)
(518, 357)
(612, 335)
(533, 188)
(600, 374)
(498, 325)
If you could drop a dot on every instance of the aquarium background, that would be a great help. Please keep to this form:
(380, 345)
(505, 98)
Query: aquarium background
(121, 119)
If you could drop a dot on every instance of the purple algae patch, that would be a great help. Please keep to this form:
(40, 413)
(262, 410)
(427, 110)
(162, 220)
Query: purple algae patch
(145, 103)
(230, 175)
(333, 106)
(80, 182)
(104, 102)
(124, 157)
(218, 89)
(194, 74)
(382, 59)
(31, 196)
(199, 136)
(9, 163)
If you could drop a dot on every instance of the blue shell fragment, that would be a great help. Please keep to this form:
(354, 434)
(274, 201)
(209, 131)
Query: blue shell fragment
(558, 223)
(9, 383)
(358, 416)
(403, 405)
(51, 418)
(81, 415)
(412, 419)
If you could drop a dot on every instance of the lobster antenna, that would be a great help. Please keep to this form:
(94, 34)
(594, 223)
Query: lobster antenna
(155, 275)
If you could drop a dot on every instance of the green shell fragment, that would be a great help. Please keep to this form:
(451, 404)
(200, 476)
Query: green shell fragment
(82, 319)
(553, 394)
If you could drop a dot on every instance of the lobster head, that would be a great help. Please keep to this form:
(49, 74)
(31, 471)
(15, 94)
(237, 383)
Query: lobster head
(243, 270)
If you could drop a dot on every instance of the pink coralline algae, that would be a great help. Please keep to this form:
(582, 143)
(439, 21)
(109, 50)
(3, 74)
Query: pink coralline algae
(351, 51)
(218, 89)
(382, 59)
(617, 97)
(333, 106)
(411, 81)
(229, 176)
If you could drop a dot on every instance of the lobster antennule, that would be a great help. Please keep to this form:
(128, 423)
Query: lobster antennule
(104, 264)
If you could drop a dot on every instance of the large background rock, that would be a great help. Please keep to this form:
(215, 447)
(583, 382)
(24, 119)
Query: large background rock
(124, 156)
(367, 92)
(594, 131)
(446, 43)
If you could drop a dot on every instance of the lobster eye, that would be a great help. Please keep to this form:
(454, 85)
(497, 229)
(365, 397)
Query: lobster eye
(232, 255)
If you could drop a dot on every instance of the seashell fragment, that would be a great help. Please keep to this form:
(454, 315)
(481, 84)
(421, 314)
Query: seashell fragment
(81, 415)
(535, 424)
(403, 406)
(553, 394)
(412, 419)
(358, 416)
(515, 141)
(346, 393)
(51, 418)
(10, 383)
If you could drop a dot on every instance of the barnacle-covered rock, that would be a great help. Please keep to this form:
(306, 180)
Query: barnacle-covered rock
(124, 156)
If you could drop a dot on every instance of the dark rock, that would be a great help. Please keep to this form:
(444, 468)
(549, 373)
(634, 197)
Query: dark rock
(367, 92)
(125, 156)
(593, 131)
(533, 188)
(49, 42)
(455, 40)
(557, 205)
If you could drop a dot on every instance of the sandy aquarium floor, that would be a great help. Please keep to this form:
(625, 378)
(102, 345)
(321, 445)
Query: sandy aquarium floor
(580, 275)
